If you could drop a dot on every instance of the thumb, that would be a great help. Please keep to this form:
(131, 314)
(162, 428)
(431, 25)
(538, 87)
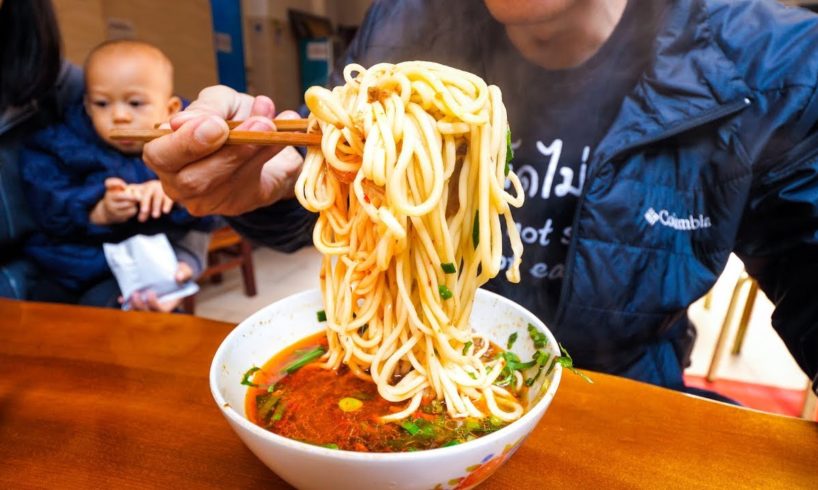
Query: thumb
(193, 140)
(183, 272)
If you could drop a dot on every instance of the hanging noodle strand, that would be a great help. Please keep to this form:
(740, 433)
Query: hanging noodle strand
(410, 186)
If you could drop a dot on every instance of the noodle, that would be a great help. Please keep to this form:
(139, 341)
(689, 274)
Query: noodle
(409, 184)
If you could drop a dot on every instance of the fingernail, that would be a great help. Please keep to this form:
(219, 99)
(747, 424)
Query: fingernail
(209, 131)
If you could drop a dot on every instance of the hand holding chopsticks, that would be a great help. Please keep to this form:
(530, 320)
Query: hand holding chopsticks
(286, 135)
(204, 164)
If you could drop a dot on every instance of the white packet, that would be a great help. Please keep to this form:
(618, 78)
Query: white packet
(146, 262)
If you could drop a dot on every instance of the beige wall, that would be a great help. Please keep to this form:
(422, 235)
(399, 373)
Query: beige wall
(351, 12)
(270, 50)
(181, 28)
(81, 25)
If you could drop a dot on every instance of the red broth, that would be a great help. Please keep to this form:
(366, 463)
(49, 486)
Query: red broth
(306, 405)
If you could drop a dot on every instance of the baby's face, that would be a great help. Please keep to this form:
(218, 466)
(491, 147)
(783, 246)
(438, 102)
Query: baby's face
(128, 90)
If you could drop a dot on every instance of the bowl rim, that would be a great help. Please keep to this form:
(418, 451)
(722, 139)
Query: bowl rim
(232, 414)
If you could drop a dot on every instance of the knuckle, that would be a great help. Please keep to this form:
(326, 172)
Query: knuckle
(191, 183)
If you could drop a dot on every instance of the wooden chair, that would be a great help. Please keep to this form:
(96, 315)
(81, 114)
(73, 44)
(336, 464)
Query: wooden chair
(747, 311)
(227, 250)
(744, 281)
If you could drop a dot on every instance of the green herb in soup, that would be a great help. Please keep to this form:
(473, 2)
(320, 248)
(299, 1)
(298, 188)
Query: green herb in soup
(296, 398)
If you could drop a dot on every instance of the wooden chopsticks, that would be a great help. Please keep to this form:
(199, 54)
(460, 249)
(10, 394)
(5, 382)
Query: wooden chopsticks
(281, 124)
(287, 134)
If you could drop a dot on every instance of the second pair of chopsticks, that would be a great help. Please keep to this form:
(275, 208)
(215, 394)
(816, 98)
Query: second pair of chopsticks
(286, 135)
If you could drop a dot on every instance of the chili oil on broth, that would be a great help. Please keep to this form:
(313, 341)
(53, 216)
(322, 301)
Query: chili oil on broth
(337, 410)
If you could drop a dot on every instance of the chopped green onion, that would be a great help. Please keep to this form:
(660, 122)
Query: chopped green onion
(551, 367)
(471, 375)
(279, 412)
(511, 339)
(271, 388)
(322, 315)
(453, 442)
(466, 347)
(507, 379)
(475, 231)
(445, 292)
(509, 151)
(331, 445)
(245, 380)
(520, 366)
(410, 427)
(349, 404)
(448, 268)
(541, 358)
(427, 430)
(435, 407)
(539, 338)
(513, 362)
(567, 362)
(266, 404)
(305, 359)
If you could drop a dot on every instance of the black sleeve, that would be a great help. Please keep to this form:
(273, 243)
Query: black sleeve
(284, 226)
(778, 241)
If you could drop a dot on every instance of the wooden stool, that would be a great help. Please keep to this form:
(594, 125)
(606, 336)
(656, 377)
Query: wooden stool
(810, 405)
(747, 311)
(227, 250)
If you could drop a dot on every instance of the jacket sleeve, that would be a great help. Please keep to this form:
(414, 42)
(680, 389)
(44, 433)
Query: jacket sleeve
(285, 226)
(60, 202)
(191, 248)
(778, 238)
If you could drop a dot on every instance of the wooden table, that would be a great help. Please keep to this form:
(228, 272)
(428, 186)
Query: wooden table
(93, 398)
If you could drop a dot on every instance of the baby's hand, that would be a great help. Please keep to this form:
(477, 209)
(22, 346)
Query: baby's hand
(148, 301)
(153, 202)
(118, 205)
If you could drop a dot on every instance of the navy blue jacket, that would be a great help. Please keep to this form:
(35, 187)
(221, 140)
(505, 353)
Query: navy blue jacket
(17, 273)
(714, 151)
(63, 169)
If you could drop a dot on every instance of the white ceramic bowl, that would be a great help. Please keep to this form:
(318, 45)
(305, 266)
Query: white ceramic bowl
(277, 326)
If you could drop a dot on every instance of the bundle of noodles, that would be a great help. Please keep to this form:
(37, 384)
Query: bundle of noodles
(409, 184)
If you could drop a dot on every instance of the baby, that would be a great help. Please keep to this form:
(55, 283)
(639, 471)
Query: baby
(87, 189)
(129, 85)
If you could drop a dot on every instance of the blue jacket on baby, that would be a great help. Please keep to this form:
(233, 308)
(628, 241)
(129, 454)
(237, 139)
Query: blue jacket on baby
(63, 168)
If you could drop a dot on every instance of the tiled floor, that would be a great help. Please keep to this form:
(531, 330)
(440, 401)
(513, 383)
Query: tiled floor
(764, 359)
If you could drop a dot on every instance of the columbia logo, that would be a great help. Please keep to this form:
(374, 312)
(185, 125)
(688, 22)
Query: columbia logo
(651, 216)
(666, 218)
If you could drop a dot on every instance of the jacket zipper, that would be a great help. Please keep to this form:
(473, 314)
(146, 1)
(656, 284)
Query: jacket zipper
(705, 118)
